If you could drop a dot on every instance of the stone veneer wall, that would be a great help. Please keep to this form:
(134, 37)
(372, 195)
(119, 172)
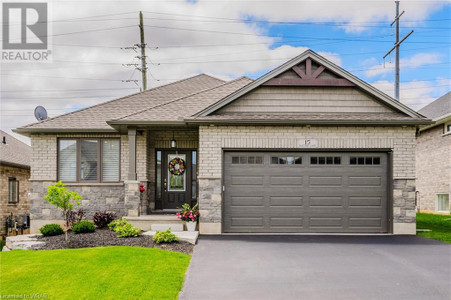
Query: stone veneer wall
(96, 196)
(433, 166)
(23, 206)
(213, 139)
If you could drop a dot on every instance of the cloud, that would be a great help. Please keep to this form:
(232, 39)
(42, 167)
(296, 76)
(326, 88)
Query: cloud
(416, 94)
(413, 62)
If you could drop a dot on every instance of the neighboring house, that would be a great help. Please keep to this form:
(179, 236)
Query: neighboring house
(433, 157)
(308, 147)
(15, 162)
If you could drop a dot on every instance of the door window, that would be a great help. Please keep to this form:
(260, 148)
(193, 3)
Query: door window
(176, 172)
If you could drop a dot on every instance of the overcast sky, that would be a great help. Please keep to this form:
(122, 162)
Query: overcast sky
(227, 39)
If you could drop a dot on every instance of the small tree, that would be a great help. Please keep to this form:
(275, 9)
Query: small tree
(65, 200)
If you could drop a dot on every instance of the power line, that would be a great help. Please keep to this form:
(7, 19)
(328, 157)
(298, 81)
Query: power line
(87, 31)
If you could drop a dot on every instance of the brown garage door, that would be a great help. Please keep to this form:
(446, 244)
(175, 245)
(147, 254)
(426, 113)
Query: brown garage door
(305, 192)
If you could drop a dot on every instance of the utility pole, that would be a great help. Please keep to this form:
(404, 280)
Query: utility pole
(143, 52)
(396, 48)
(142, 57)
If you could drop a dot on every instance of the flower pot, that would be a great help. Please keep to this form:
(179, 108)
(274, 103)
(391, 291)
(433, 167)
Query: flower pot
(191, 226)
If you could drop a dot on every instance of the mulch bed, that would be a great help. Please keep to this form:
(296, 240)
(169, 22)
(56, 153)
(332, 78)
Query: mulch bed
(105, 237)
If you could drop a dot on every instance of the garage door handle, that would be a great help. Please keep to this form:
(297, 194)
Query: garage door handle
(223, 188)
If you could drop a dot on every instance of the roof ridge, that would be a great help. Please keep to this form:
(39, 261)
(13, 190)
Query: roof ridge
(112, 100)
(180, 98)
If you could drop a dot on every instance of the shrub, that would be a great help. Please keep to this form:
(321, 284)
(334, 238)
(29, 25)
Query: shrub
(51, 229)
(83, 227)
(102, 219)
(123, 228)
(75, 216)
(128, 230)
(164, 237)
(117, 223)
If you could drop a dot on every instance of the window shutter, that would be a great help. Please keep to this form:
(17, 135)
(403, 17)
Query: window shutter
(110, 160)
(67, 160)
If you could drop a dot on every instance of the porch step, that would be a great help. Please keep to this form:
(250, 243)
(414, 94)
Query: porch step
(157, 222)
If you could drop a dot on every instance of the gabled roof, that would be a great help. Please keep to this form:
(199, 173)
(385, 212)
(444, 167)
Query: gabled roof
(348, 79)
(95, 118)
(438, 109)
(183, 107)
(14, 152)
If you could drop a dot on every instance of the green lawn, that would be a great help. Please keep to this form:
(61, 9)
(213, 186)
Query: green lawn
(439, 224)
(94, 273)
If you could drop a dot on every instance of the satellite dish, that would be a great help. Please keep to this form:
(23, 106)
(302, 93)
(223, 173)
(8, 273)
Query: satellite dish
(40, 113)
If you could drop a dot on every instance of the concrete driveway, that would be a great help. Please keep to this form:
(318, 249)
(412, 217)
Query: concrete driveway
(319, 267)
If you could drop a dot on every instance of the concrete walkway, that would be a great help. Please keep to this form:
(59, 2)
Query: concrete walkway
(319, 267)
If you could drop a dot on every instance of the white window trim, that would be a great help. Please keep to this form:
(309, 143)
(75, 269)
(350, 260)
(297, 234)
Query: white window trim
(436, 202)
(445, 129)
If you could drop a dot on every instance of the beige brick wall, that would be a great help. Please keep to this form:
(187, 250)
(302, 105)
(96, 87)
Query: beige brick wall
(214, 138)
(23, 206)
(433, 166)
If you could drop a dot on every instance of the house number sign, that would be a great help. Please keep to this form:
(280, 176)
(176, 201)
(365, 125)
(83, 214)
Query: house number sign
(307, 143)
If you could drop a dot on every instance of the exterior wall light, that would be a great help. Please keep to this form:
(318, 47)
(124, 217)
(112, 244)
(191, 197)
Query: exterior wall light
(173, 141)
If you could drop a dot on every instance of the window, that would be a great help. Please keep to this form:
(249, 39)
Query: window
(89, 160)
(286, 160)
(448, 128)
(442, 202)
(158, 175)
(194, 175)
(13, 190)
(325, 160)
(247, 160)
(367, 160)
(110, 160)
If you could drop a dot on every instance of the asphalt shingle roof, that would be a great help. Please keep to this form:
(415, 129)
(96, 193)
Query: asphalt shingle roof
(14, 152)
(95, 117)
(438, 108)
(187, 106)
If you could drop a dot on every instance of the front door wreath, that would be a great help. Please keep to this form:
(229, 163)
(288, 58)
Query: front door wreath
(177, 166)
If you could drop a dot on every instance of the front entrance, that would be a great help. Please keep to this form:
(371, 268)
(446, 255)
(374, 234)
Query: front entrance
(176, 177)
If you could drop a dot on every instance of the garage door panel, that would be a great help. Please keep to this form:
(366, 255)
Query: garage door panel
(247, 221)
(365, 222)
(287, 222)
(286, 180)
(325, 181)
(273, 197)
(362, 201)
(326, 222)
(247, 201)
(247, 180)
(322, 201)
(365, 181)
(275, 201)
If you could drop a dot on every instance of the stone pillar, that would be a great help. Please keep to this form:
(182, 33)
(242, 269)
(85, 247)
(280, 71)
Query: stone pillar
(132, 198)
(404, 213)
(132, 154)
(210, 201)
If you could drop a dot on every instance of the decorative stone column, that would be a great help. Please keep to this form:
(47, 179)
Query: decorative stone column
(132, 198)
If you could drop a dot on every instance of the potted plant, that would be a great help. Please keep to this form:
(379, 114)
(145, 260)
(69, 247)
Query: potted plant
(190, 215)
